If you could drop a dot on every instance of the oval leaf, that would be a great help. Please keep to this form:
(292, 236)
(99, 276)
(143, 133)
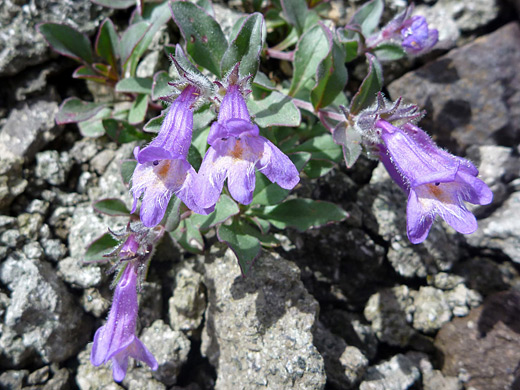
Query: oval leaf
(76, 110)
(111, 206)
(100, 247)
(275, 110)
(135, 85)
(371, 85)
(107, 43)
(67, 41)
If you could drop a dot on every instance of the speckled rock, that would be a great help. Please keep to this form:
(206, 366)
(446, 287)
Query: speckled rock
(471, 94)
(142, 379)
(93, 302)
(398, 373)
(258, 329)
(170, 348)
(89, 377)
(78, 274)
(53, 167)
(431, 309)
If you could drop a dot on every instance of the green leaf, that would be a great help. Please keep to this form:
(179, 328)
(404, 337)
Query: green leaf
(99, 247)
(331, 76)
(188, 236)
(275, 110)
(389, 52)
(76, 110)
(205, 5)
(154, 124)
(205, 42)
(371, 85)
(87, 73)
(107, 43)
(67, 41)
(130, 39)
(318, 168)
(127, 170)
(93, 127)
(111, 206)
(303, 214)
(123, 132)
(160, 86)
(350, 37)
(295, 12)
(172, 216)
(262, 81)
(225, 208)
(368, 16)
(138, 110)
(245, 47)
(135, 85)
(202, 117)
(350, 141)
(191, 72)
(311, 49)
(156, 15)
(321, 147)
(239, 239)
(117, 4)
(194, 157)
(199, 140)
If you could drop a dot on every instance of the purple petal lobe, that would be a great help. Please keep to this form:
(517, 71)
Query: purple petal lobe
(233, 105)
(277, 166)
(418, 222)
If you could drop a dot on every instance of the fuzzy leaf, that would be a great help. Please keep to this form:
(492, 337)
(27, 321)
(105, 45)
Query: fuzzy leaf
(371, 85)
(225, 208)
(116, 4)
(303, 214)
(368, 16)
(138, 110)
(76, 110)
(130, 39)
(67, 41)
(111, 206)
(318, 168)
(99, 247)
(389, 52)
(123, 132)
(350, 141)
(87, 73)
(107, 43)
(188, 236)
(238, 237)
(135, 85)
(160, 87)
(154, 124)
(127, 170)
(205, 42)
(93, 127)
(311, 49)
(295, 12)
(322, 147)
(245, 47)
(275, 110)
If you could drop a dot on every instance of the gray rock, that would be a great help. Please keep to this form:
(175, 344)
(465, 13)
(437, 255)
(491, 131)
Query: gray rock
(258, 329)
(188, 303)
(13, 380)
(85, 149)
(86, 180)
(60, 379)
(471, 94)
(30, 224)
(78, 274)
(390, 317)
(101, 160)
(142, 379)
(89, 377)
(38, 206)
(431, 309)
(33, 250)
(461, 299)
(170, 348)
(7, 222)
(11, 185)
(53, 167)
(22, 45)
(398, 373)
(388, 204)
(445, 281)
(500, 230)
(42, 312)
(150, 303)
(11, 238)
(93, 302)
(53, 249)
(61, 221)
(39, 376)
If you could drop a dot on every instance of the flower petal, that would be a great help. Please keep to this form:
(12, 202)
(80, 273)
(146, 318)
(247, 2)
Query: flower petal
(241, 181)
(233, 105)
(210, 179)
(276, 166)
(139, 352)
(119, 366)
(418, 220)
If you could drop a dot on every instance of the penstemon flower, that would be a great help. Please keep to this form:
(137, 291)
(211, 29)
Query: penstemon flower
(437, 182)
(116, 340)
(163, 168)
(236, 148)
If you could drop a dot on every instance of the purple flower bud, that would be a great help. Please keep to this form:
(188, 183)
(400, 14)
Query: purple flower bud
(163, 168)
(417, 37)
(236, 149)
(436, 181)
(116, 340)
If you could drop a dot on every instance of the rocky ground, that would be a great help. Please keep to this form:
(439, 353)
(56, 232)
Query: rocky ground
(350, 306)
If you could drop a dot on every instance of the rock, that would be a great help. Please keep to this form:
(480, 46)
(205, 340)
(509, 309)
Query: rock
(7, 222)
(93, 302)
(30, 224)
(38, 206)
(101, 160)
(42, 315)
(445, 281)
(387, 311)
(85, 149)
(471, 94)
(78, 274)
(23, 46)
(461, 300)
(33, 250)
(53, 167)
(12, 380)
(170, 348)
(388, 205)
(188, 303)
(39, 376)
(89, 377)
(54, 249)
(11, 238)
(60, 380)
(258, 329)
(150, 303)
(431, 310)
(500, 230)
(398, 373)
(484, 347)
(142, 379)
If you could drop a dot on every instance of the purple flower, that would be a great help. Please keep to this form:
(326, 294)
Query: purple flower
(436, 181)
(116, 340)
(417, 37)
(236, 149)
(162, 168)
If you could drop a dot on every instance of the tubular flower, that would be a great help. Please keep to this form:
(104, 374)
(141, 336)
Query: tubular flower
(162, 168)
(236, 148)
(116, 340)
(437, 183)
(417, 38)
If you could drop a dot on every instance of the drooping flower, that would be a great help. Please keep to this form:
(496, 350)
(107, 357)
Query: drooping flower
(236, 148)
(437, 182)
(116, 340)
(163, 169)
